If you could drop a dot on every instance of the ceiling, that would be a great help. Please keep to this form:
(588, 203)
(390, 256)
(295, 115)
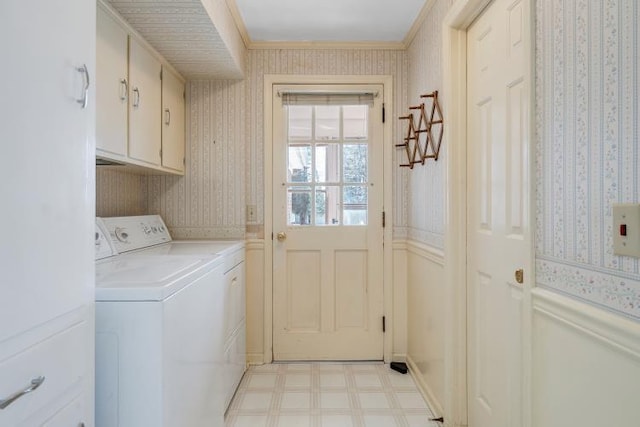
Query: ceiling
(377, 21)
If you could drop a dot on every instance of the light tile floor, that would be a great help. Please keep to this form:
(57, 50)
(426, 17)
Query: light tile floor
(327, 395)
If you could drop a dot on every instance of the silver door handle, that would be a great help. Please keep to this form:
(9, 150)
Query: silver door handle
(136, 99)
(85, 89)
(35, 383)
(125, 91)
(167, 116)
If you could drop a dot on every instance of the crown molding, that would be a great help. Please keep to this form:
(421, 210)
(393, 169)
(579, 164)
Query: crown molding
(413, 31)
(242, 29)
(256, 45)
(327, 45)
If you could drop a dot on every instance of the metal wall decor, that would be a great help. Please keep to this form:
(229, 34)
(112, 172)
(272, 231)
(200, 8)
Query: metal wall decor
(423, 141)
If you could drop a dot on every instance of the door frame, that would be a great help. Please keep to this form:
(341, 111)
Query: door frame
(284, 79)
(454, 54)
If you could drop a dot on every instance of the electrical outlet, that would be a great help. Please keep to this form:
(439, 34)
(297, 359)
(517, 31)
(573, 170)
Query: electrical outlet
(251, 213)
(626, 230)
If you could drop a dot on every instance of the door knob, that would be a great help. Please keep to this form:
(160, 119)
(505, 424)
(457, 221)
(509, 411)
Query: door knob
(282, 236)
(519, 275)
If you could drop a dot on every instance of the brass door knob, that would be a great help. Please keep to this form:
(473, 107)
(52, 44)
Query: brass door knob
(282, 236)
(519, 275)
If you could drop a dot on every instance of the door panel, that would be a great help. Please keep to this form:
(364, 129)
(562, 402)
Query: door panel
(497, 199)
(328, 194)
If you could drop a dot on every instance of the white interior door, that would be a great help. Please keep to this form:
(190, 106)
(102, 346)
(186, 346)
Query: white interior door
(328, 231)
(498, 202)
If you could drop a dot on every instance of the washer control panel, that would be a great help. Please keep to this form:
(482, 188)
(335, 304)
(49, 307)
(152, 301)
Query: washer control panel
(129, 233)
(104, 249)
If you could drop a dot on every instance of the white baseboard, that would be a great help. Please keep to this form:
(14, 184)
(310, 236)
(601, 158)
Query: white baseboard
(427, 393)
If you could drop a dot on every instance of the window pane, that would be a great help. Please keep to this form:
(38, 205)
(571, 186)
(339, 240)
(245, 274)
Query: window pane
(355, 205)
(327, 163)
(300, 122)
(299, 206)
(327, 122)
(355, 121)
(355, 162)
(299, 167)
(328, 205)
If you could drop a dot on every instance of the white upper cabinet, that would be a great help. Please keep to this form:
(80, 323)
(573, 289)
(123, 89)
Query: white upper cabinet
(140, 119)
(145, 104)
(172, 121)
(112, 88)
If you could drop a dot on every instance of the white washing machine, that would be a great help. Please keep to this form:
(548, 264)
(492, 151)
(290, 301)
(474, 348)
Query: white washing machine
(158, 341)
(125, 232)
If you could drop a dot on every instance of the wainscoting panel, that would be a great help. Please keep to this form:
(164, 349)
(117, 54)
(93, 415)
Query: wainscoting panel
(426, 317)
(586, 365)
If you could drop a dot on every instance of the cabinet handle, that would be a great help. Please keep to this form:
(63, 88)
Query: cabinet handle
(136, 99)
(85, 88)
(125, 91)
(35, 383)
(167, 116)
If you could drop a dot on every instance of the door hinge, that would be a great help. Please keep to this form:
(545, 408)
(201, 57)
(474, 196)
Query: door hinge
(384, 324)
(383, 113)
(160, 73)
(384, 219)
(271, 236)
(161, 153)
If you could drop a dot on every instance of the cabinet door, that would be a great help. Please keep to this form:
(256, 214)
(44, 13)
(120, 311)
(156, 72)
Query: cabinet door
(172, 121)
(47, 180)
(111, 85)
(145, 100)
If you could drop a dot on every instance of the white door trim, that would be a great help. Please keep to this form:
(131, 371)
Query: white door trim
(283, 79)
(454, 39)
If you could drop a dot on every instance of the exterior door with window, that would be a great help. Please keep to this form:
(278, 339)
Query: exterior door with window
(327, 222)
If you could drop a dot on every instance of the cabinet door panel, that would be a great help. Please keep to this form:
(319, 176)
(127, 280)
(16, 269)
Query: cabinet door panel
(111, 85)
(145, 100)
(172, 121)
(48, 140)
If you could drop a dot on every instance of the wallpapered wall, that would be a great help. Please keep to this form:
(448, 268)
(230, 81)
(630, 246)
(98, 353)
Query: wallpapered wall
(587, 116)
(225, 161)
(425, 222)
(119, 193)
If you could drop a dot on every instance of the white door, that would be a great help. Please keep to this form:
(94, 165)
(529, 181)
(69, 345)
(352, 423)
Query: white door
(498, 203)
(328, 231)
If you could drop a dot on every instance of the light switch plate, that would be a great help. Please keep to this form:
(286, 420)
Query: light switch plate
(626, 217)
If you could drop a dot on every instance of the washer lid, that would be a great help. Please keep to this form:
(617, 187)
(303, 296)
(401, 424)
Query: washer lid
(195, 247)
(151, 278)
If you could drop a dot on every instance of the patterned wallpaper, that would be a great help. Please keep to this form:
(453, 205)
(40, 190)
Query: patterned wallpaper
(119, 193)
(426, 184)
(199, 38)
(225, 158)
(587, 117)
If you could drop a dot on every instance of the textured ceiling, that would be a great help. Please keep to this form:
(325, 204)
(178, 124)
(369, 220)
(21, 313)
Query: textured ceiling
(185, 34)
(329, 20)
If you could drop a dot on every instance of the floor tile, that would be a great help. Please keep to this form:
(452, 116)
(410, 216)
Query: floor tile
(297, 380)
(337, 400)
(336, 421)
(327, 395)
(295, 400)
(373, 401)
(253, 400)
(294, 421)
(332, 380)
